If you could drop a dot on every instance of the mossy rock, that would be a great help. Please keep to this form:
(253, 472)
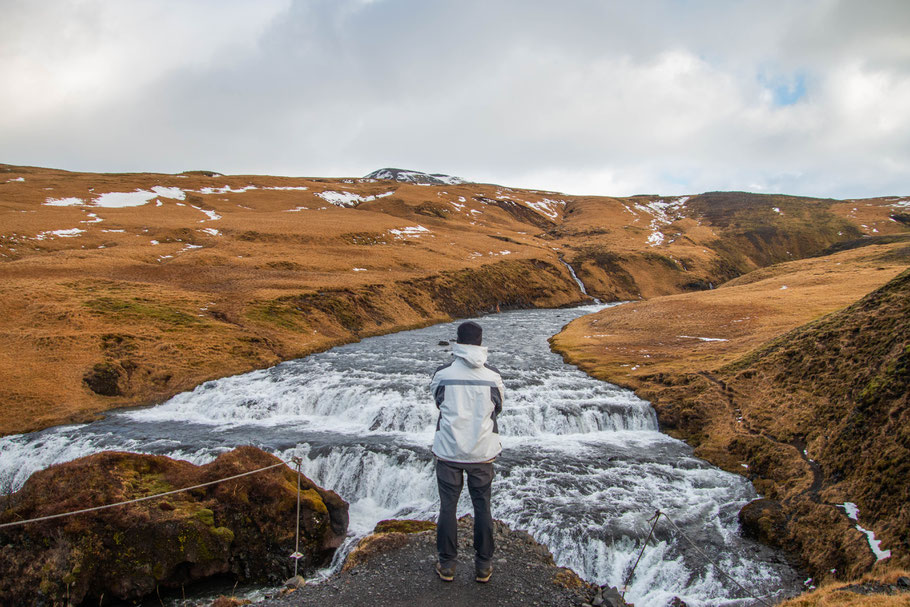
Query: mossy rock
(764, 520)
(126, 553)
(403, 526)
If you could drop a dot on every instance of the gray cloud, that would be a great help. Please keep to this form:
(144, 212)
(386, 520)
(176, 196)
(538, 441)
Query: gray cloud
(584, 96)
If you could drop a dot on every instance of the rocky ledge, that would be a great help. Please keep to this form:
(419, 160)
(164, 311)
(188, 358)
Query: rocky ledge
(243, 527)
(395, 566)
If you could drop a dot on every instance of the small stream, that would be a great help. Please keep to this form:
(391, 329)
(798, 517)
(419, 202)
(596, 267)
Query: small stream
(583, 467)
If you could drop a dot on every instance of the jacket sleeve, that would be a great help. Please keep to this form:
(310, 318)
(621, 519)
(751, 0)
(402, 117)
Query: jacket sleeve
(437, 390)
(497, 403)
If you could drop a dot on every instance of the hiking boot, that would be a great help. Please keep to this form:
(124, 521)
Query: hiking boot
(482, 575)
(446, 574)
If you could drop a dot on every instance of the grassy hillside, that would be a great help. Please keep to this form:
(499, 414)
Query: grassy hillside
(123, 289)
(783, 376)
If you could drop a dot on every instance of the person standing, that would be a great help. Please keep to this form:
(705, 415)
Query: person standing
(468, 394)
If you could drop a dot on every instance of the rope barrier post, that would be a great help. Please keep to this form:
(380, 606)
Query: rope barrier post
(625, 585)
(296, 556)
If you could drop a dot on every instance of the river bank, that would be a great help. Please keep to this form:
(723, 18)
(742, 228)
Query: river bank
(767, 387)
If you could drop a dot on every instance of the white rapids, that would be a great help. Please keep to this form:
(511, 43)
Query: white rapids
(584, 465)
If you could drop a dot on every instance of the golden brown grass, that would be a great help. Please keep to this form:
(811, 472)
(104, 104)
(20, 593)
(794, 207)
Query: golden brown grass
(199, 305)
(671, 334)
(839, 594)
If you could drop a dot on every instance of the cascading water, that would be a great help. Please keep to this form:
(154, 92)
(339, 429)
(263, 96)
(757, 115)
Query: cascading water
(577, 280)
(583, 468)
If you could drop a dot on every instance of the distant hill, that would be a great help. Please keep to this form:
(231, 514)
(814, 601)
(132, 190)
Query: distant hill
(418, 177)
(144, 285)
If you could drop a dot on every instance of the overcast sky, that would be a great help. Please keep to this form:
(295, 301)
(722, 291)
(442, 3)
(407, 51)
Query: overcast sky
(667, 97)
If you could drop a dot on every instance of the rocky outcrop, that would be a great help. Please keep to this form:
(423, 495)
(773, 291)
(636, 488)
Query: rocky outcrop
(419, 177)
(764, 520)
(395, 566)
(243, 527)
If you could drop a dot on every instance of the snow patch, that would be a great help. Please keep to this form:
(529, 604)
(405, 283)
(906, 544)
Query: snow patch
(409, 232)
(851, 509)
(116, 200)
(227, 189)
(663, 213)
(213, 216)
(64, 202)
(359, 269)
(173, 193)
(349, 199)
(547, 207)
(415, 177)
(94, 219)
(59, 233)
(778, 211)
(16, 179)
(702, 338)
(287, 187)
(211, 231)
(875, 545)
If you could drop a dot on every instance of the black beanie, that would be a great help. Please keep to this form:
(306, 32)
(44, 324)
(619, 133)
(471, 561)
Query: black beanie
(470, 333)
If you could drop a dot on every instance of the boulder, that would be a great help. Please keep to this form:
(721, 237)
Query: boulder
(243, 527)
(764, 520)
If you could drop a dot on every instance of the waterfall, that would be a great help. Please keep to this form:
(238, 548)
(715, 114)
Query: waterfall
(577, 280)
(583, 466)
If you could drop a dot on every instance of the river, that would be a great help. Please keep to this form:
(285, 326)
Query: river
(583, 468)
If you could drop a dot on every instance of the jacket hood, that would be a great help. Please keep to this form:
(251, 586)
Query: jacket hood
(474, 356)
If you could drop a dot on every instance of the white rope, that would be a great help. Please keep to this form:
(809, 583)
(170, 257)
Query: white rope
(716, 566)
(142, 499)
(625, 586)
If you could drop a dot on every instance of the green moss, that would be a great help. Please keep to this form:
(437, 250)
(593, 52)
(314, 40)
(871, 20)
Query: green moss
(403, 526)
(147, 483)
(311, 499)
(276, 313)
(206, 516)
(144, 310)
(224, 534)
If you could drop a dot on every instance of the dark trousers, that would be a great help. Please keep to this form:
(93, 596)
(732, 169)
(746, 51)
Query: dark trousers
(450, 479)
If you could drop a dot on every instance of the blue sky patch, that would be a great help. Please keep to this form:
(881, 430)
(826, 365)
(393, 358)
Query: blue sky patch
(785, 90)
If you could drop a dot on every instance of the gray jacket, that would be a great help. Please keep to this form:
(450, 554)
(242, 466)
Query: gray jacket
(469, 394)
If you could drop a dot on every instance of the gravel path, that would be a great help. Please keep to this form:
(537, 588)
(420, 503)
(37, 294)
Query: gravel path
(395, 569)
